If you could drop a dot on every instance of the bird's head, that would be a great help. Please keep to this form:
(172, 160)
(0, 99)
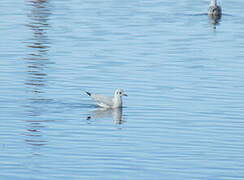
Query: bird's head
(120, 92)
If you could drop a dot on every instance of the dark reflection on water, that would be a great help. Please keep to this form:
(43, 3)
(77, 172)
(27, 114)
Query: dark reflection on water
(214, 20)
(116, 114)
(37, 59)
(37, 63)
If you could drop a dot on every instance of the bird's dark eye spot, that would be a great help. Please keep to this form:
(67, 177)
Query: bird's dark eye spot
(120, 92)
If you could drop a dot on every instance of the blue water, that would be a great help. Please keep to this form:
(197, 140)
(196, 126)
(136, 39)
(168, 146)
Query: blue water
(183, 72)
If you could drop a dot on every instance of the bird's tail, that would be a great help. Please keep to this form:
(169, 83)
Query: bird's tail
(89, 94)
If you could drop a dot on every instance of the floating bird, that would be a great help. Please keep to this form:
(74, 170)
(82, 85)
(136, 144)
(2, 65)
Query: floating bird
(214, 9)
(107, 101)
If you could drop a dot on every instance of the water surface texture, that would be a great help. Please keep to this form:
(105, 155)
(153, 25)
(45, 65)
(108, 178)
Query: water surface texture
(183, 72)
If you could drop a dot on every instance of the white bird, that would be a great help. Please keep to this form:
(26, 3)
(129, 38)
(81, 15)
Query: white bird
(214, 9)
(108, 101)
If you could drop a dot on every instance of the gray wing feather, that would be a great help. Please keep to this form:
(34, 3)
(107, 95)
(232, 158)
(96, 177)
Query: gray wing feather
(103, 99)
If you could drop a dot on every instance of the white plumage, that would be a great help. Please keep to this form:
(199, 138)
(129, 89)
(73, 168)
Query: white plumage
(214, 9)
(108, 101)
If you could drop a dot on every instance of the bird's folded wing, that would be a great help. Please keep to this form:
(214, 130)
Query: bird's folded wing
(103, 99)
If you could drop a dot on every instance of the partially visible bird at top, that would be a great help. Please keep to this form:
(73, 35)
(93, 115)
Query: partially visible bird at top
(214, 9)
(108, 101)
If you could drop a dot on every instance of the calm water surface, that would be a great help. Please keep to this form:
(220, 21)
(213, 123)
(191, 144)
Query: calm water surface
(183, 72)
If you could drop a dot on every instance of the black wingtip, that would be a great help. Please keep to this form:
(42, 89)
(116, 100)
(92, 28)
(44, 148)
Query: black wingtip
(89, 94)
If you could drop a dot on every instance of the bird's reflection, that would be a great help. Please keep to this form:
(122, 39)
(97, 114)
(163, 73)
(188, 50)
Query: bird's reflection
(214, 20)
(37, 63)
(115, 113)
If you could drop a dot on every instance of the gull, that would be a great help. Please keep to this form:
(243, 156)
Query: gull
(214, 9)
(108, 101)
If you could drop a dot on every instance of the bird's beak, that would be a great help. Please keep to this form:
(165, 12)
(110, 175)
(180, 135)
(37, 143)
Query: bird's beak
(125, 94)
